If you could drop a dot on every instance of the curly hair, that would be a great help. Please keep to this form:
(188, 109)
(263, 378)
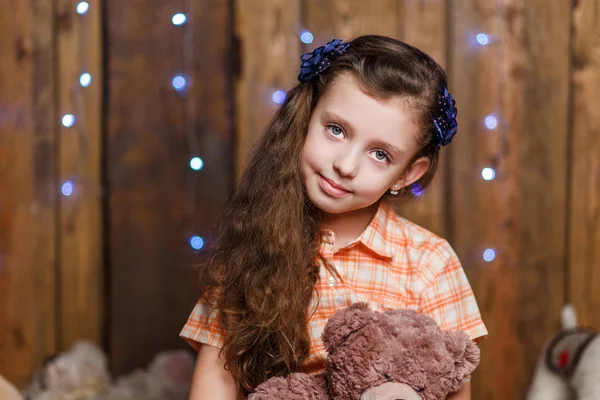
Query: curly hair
(264, 264)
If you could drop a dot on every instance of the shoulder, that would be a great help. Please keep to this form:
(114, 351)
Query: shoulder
(420, 243)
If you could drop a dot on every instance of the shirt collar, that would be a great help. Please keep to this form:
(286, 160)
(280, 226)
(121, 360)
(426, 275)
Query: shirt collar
(377, 236)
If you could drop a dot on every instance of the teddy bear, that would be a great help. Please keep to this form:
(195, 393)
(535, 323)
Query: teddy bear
(372, 355)
(569, 365)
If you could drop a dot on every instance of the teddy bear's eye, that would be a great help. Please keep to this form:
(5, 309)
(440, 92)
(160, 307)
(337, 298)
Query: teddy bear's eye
(420, 389)
(386, 376)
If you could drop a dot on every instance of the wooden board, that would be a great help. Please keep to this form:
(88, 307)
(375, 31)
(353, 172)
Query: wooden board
(151, 209)
(81, 262)
(267, 32)
(521, 76)
(584, 193)
(27, 187)
(346, 19)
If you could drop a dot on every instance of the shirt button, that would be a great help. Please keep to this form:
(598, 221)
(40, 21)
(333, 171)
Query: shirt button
(331, 281)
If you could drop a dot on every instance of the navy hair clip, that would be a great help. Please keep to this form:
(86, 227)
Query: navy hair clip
(320, 59)
(445, 123)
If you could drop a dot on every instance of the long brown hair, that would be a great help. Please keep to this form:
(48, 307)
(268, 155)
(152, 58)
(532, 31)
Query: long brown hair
(263, 266)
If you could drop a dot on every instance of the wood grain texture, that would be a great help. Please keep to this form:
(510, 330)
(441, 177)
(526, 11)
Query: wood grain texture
(584, 193)
(346, 19)
(27, 187)
(81, 265)
(268, 35)
(152, 207)
(522, 77)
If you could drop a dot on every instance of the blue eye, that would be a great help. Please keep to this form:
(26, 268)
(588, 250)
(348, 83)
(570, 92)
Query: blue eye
(381, 155)
(335, 130)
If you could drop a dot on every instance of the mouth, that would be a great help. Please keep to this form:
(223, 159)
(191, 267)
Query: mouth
(332, 188)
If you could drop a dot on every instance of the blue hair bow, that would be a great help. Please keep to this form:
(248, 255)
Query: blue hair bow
(320, 59)
(445, 123)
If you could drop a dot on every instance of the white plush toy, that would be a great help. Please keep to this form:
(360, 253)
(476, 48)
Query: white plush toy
(569, 367)
(82, 374)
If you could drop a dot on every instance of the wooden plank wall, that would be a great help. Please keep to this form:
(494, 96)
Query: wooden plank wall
(521, 76)
(265, 31)
(80, 271)
(28, 318)
(156, 202)
(584, 189)
(51, 265)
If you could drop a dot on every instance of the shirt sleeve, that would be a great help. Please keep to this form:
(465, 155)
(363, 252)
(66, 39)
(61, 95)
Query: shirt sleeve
(203, 326)
(447, 296)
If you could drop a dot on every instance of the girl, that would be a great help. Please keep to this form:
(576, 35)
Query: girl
(310, 229)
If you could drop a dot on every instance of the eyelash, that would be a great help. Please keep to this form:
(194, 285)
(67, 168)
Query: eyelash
(387, 155)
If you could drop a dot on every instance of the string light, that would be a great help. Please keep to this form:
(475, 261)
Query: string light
(85, 79)
(196, 163)
(483, 39)
(306, 37)
(491, 122)
(179, 19)
(489, 255)
(68, 120)
(196, 242)
(179, 83)
(488, 173)
(278, 96)
(67, 188)
(82, 7)
(417, 190)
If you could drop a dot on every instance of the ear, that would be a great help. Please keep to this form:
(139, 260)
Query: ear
(345, 322)
(466, 357)
(413, 173)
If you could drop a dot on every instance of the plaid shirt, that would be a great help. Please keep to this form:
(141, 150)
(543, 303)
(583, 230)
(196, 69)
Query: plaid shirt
(393, 264)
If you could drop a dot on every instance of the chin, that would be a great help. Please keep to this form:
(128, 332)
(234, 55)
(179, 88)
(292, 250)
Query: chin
(333, 206)
(331, 209)
(325, 203)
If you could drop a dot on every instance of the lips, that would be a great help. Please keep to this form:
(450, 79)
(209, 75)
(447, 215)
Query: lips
(332, 183)
(331, 187)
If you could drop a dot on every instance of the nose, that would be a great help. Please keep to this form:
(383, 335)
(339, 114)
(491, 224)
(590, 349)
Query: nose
(346, 164)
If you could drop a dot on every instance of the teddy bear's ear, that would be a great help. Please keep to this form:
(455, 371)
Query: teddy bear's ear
(466, 357)
(346, 321)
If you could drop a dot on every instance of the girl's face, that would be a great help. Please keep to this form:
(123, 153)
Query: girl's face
(357, 148)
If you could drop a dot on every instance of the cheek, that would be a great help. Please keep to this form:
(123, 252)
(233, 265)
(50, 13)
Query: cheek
(376, 181)
(313, 149)
(307, 158)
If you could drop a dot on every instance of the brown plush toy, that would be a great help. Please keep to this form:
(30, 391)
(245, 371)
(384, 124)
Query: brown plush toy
(397, 354)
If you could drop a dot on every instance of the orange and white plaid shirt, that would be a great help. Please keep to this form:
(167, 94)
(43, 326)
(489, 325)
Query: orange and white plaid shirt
(393, 264)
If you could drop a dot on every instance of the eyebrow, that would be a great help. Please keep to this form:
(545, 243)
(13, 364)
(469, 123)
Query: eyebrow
(387, 146)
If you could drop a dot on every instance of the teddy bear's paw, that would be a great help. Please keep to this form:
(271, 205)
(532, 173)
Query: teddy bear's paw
(296, 386)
